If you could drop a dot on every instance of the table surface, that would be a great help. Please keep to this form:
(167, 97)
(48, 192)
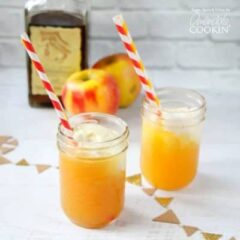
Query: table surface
(29, 200)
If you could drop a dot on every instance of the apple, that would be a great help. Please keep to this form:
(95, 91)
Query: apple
(121, 68)
(91, 90)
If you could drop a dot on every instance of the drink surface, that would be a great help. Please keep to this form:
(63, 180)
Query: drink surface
(92, 187)
(169, 155)
(92, 132)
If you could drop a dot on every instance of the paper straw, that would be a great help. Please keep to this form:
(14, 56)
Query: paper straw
(133, 54)
(46, 83)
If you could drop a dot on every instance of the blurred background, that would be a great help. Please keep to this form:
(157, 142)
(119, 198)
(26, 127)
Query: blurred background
(162, 30)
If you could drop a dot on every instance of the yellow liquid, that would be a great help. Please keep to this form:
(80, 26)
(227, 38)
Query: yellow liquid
(92, 190)
(168, 161)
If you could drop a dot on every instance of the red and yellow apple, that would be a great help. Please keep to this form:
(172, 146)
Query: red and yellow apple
(91, 90)
(121, 68)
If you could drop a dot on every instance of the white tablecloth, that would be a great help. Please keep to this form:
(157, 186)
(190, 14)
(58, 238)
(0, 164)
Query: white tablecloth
(29, 191)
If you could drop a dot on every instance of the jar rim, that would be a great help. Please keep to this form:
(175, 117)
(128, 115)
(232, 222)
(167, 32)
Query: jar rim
(179, 107)
(66, 138)
(154, 108)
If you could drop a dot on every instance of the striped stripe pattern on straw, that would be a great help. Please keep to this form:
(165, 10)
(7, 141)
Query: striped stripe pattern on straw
(46, 83)
(133, 54)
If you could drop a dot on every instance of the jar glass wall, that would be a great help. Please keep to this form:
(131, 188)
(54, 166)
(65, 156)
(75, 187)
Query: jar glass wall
(171, 138)
(92, 173)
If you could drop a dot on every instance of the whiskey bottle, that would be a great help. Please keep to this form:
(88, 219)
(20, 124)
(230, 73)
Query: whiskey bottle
(58, 31)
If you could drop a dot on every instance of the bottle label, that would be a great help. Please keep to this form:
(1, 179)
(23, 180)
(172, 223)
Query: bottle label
(59, 50)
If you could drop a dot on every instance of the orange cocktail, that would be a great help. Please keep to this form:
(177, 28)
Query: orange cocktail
(92, 173)
(170, 140)
(92, 191)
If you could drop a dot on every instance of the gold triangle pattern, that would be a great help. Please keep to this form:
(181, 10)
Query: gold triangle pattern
(5, 150)
(42, 167)
(7, 144)
(3, 160)
(164, 202)
(168, 217)
(22, 162)
(149, 191)
(211, 236)
(4, 139)
(135, 179)
(189, 230)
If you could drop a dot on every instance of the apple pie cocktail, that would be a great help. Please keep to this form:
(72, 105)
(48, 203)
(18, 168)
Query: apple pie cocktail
(171, 139)
(92, 169)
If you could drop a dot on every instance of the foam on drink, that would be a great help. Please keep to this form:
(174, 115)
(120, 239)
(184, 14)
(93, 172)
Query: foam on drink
(91, 135)
(92, 132)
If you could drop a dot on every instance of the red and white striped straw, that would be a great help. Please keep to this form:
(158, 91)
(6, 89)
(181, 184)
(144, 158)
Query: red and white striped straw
(46, 83)
(133, 54)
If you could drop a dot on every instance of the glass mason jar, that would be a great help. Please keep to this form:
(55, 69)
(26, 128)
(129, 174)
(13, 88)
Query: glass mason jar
(92, 173)
(171, 138)
(58, 31)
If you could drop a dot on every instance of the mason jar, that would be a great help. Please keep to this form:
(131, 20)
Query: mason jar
(92, 168)
(171, 138)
